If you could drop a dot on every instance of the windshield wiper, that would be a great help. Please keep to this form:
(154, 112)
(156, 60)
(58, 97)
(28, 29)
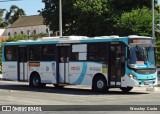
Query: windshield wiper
(139, 48)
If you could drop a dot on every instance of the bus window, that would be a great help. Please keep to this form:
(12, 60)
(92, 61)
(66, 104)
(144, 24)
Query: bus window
(63, 54)
(97, 52)
(74, 56)
(79, 52)
(10, 53)
(48, 52)
(35, 53)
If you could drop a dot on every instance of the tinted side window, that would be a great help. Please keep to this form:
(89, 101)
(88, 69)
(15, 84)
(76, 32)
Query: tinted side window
(35, 53)
(10, 53)
(97, 51)
(48, 52)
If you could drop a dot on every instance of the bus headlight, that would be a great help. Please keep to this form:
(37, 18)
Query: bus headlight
(132, 76)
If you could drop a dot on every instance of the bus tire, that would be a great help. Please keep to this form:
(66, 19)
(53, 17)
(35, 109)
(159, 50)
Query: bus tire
(35, 80)
(126, 89)
(99, 84)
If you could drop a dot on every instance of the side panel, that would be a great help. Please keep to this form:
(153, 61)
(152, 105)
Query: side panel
(76, 75)
(82, 73)
(23, 67)
(46, 70)
(9, 70)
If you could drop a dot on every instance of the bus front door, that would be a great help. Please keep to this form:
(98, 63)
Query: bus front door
(22, 64)
(117, 63)
(63, 58)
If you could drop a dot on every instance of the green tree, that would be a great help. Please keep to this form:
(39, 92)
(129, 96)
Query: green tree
(138, 21)
(16, 38)
(78, 18)
(1, 14)
(157, 51)
(13, 14)
(128, 5)
(90, 17)
(2, 22)
(51, 15)
(94, 18)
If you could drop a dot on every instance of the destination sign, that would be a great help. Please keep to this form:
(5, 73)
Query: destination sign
(141, 41)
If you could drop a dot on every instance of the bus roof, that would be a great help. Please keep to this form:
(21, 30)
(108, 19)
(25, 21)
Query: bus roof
(72, 39)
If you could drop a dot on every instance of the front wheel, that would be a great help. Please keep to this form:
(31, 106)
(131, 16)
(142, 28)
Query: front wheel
(126, 89)
(99, 85)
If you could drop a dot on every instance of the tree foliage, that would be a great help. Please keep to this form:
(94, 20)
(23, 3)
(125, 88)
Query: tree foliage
(25, 37)
(96, 17)
(2, 22)
(93, 18)
(157, 51)
(51, 15)
(138, 21)
(1, 14)
(13, 14)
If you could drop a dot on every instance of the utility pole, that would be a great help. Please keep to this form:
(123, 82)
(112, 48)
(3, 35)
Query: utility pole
(60, 18)
(48, 31)
(153, 31)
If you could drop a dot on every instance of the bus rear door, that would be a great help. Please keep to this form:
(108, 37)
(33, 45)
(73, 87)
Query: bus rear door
(22, 63)
(63, 61)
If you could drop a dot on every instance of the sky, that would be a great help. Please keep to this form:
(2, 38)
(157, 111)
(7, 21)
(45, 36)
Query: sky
(29, 6)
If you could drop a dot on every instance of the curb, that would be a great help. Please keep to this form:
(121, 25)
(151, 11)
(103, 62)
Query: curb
(156, 88)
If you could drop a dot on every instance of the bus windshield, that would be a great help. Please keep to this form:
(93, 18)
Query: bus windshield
(142, 55)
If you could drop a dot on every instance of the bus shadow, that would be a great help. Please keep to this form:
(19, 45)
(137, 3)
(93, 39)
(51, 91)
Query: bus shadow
(66, 90)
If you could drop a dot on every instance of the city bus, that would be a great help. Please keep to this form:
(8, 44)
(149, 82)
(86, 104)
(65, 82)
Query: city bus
(102, 62)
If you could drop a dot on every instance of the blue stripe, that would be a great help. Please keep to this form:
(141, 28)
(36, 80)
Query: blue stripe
(82, 76)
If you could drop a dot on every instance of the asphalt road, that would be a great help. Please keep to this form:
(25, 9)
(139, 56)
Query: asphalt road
(13, 93)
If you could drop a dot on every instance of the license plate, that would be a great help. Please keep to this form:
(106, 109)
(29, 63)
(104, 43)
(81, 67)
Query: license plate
(146, 83)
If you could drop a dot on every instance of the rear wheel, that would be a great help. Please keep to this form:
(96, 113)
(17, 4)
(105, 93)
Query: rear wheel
(35, 80)
(99, 84)
(126, 89)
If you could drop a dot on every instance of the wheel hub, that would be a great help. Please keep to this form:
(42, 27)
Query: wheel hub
(100, 84)
(35, 81)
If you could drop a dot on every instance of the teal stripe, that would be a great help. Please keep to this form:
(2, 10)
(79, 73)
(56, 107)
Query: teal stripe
(3, 54)
(31, 43)
(82, 75)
